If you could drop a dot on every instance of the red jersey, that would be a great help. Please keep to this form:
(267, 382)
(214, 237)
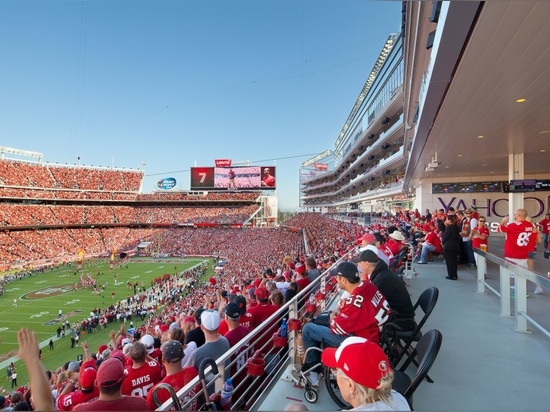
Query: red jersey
(476, 241)
(433, 239)
(363, 313)
(302, 283)
(68, 401)
(138, 382)
(126, 403)
(245, 320)
(261, 312)
(235, 335)
(517, 243)
(545, 226)
(269, 181)
(394, 246)
(177, 381)
(157, 355)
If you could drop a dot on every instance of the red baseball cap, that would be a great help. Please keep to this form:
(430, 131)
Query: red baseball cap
(368, 237)
(102, 348)
(262, 293)
(110, 373)
(361, 360)
(87, 378)
(118, 354)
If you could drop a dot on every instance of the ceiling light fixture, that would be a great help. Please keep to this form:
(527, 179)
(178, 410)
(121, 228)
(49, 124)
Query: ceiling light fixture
(521, 100)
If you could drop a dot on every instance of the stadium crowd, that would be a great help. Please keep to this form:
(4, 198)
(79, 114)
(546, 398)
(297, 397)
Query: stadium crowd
(170, 321)
(179, 295)
(59, 215)
(27, 174)
(255, 265)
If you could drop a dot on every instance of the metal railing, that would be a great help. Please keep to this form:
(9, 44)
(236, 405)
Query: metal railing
(520, 275)
(250, 386)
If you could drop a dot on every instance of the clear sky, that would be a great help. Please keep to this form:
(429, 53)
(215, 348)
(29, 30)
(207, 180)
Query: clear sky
(174, 84)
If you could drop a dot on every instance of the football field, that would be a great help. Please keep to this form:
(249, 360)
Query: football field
(35, 301)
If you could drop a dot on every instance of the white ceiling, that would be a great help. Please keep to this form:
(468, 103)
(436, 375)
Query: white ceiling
(506, 58)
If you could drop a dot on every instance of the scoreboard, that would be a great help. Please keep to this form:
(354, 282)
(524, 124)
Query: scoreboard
(229, 178)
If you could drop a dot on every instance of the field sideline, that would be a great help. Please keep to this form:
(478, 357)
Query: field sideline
(40, 297)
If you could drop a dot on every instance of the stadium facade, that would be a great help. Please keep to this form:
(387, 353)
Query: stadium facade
(439, 123)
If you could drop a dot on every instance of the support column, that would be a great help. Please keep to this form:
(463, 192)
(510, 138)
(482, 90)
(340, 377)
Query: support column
(516, 169)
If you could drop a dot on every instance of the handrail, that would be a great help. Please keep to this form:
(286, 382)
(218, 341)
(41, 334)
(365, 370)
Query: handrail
(251, 391)
(509, 270)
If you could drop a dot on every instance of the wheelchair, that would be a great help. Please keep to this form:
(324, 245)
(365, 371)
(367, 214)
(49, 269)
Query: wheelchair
(311, 393)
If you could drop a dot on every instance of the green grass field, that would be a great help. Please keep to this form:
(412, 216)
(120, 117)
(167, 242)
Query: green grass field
(39, 298)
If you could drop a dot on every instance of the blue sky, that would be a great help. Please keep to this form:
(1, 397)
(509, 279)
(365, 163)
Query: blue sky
(174, 84)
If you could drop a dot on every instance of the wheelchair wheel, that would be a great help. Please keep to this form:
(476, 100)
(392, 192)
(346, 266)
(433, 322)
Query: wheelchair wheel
(311, 395)
(334, 390)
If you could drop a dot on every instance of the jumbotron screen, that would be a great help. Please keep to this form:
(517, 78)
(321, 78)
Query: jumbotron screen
(229, 178)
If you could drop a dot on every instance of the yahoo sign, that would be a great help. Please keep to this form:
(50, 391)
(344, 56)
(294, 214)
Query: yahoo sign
(497, 207)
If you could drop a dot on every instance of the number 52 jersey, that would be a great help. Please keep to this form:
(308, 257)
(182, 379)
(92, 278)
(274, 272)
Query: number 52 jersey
(363, 313)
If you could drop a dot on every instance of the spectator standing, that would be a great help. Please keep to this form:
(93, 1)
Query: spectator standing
(301, 278)
(312, 272)
(215, 345)
(176, 375)
(544, 227)
(451, 240)
(263, 309)
(110, 376)
(77, 392)
(518, 233)
(480, 235)
(292, 291)
(533, 240)
(143, 374)
(235, 332)
(465, 227)
(196, 335)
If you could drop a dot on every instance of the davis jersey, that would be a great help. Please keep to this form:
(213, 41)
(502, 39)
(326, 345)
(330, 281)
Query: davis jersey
(517, 244)
(362, 314)
(139, 381)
